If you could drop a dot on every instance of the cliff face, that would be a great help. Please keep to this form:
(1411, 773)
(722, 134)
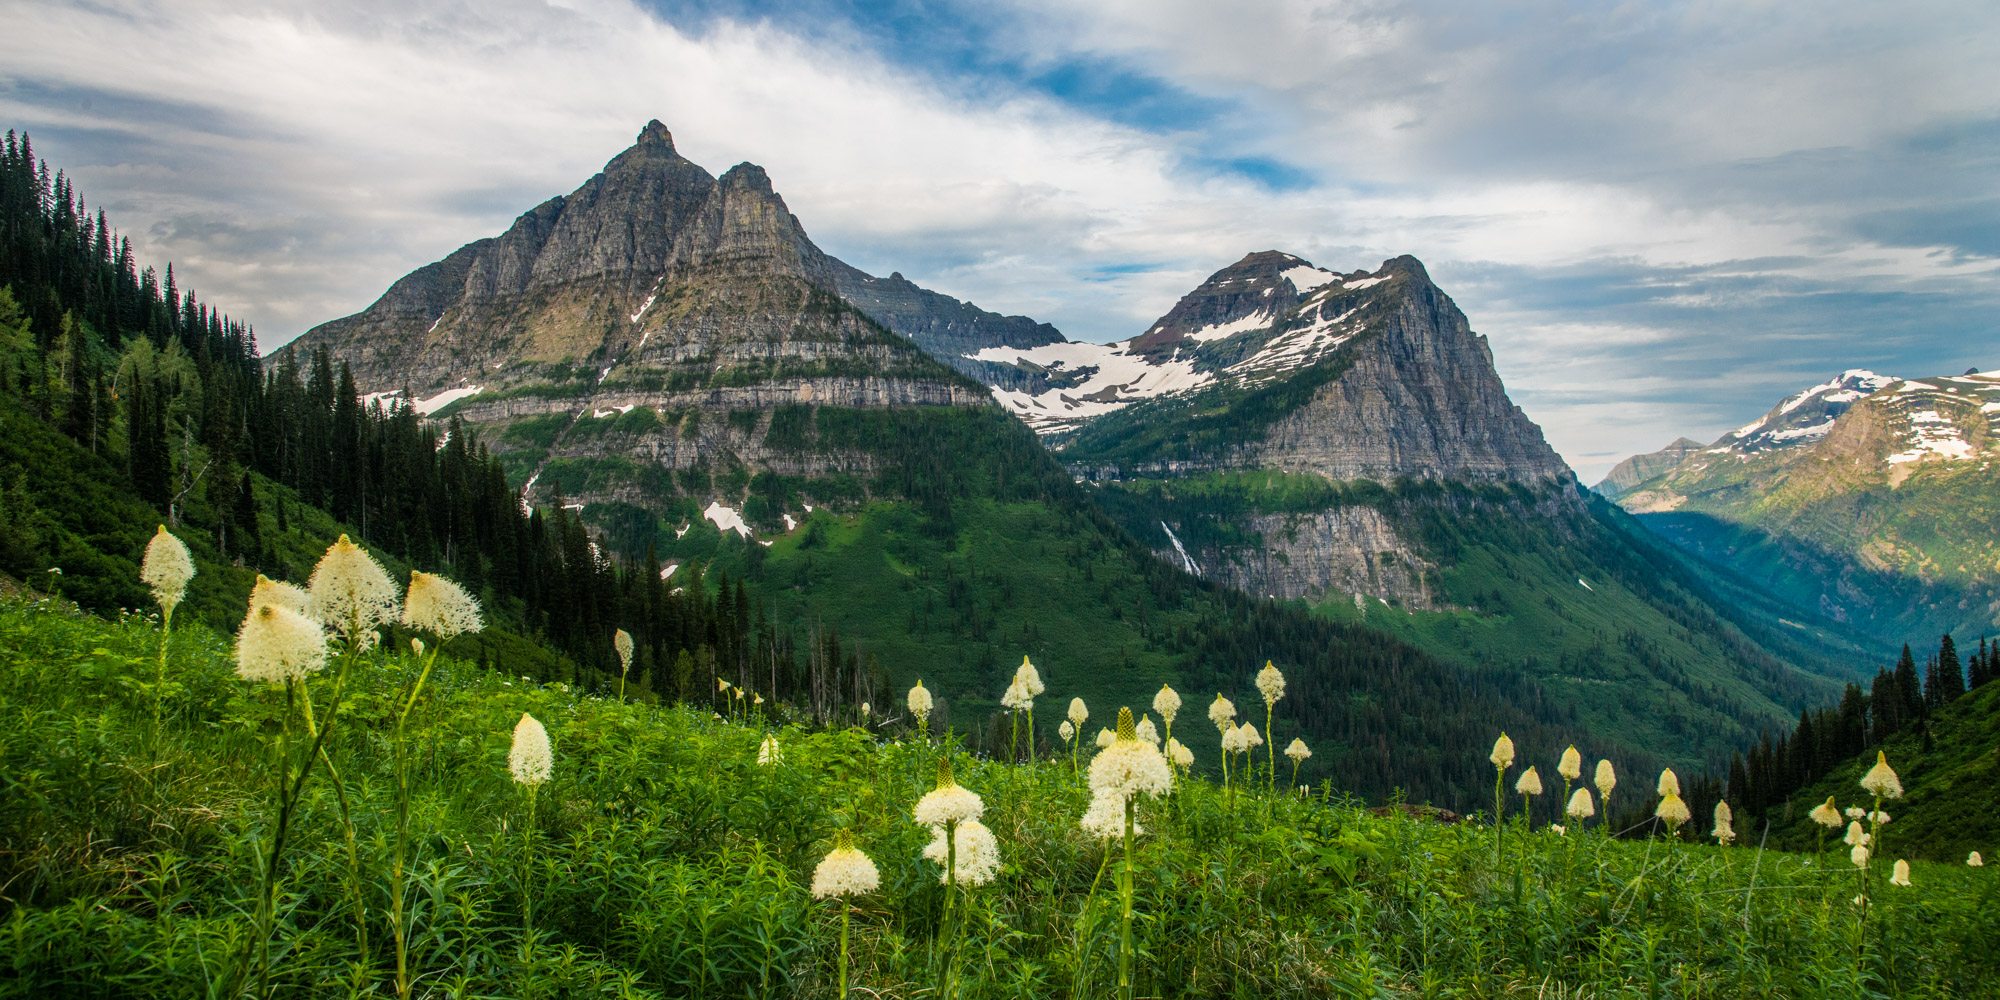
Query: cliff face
(653, 287)
(1420, 399)
(1370, 376)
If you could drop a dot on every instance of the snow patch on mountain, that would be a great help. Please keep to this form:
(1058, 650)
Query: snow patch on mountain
(1116, 376)
(445, 398)
(725, 518)
(1932, 433)
(1222, 331)
(1306, 277)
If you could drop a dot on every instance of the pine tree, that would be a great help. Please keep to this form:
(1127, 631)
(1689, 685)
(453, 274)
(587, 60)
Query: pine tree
(1909, 690)
(1951, 681)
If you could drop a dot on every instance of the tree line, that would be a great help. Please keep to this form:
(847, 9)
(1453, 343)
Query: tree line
(1901, 698)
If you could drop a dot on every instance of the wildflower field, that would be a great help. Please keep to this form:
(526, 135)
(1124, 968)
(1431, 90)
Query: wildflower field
(453, 831)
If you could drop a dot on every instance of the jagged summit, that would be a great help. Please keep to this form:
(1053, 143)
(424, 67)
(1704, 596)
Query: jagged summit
(655, 134)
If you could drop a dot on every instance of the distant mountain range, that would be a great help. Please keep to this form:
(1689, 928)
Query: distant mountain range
(669, 351)
(1870, 499)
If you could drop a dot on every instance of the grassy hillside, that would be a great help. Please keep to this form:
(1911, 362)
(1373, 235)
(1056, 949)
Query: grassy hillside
(1106, 621)
(63, 506)
(663, 861)
(1951, 783)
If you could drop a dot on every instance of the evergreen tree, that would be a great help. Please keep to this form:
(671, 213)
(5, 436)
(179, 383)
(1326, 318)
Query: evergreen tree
(1909, 690)
(1951, 680)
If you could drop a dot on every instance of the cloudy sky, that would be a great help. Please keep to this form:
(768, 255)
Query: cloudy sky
(1664, 215)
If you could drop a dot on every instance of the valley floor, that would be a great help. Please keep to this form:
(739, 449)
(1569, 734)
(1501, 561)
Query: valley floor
(662, 859)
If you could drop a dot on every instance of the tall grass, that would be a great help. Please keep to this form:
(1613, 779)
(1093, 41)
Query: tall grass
(667, 863)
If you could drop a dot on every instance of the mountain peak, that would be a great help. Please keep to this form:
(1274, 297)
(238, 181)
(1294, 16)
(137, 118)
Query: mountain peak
(655, 134)
(747, 176)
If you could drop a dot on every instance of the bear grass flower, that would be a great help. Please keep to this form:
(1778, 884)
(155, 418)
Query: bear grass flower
(1530, 783)
(1673, 812)
(975, 854)
(947, 803)
(1017, 697)
(1527, 786)
(1826, 814)
(1235, 740)
(1105, 737)
(768, 752)
(436, 605)
(351, 594)
(845, 871)
(621, 643)
(284, 595)
(1856, 836)
(1147, 732)
(277, 645)
(1606, 780)
(1179, 754)
(920, 703)
(1856, 812)
(1130, 765)
(1105, 819)
(1298, 751)
(1975, 860)
(1270, 684)
(1078, 712)
(1222, 712)
(1066, 731)
(1670, 783)
(530, 761)
(166, 569)
(1030, 678)
(1723, 831)
(1127, 769)
(1580, 805)
(1168, 704)
(1901, 874)
(1881, 779)
(1571, 767)
(1502, 758)
(1859, 855)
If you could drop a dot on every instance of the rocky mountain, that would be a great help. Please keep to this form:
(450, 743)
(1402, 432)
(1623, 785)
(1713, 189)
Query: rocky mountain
(1639, 468)
(1273, 364)
(646, 326)
(670, 353)
(1342, 441)
(1869, 499)
(946, 328)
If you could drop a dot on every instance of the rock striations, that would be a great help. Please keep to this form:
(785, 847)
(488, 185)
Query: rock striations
(653, 287)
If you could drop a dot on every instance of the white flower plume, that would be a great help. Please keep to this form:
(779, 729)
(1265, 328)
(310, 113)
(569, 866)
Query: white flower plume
(167, 569)
(277, 644)
(530, 760)
(350, 592)
(440, 607)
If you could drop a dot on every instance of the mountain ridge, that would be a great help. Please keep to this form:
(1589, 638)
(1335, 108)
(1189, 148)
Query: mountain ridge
(1866, 498)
